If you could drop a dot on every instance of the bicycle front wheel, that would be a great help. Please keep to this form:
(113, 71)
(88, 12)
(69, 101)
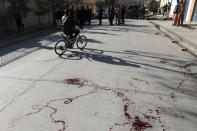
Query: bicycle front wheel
(60, 47)
(81, 42)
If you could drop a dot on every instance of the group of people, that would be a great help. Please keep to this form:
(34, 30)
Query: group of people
(70, 18)
(82, 16)
(166, 9)
(178, 13)
(119, 13)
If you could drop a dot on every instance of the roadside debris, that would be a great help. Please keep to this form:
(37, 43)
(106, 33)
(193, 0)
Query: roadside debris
(175, 41)
(183, 49)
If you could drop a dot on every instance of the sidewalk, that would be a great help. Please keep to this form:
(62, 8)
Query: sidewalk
(185, 36)
(18, 37)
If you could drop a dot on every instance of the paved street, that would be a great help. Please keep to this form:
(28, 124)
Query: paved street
(128, 78)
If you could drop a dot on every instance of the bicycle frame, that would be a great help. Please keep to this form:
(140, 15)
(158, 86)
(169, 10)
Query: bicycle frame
(65, 37)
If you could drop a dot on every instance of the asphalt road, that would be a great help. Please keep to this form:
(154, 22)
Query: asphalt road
(128, 78)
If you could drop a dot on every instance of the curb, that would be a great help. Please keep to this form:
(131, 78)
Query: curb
(190, 46)
(26, 36)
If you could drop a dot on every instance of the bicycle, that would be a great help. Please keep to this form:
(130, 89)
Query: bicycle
(62, 45)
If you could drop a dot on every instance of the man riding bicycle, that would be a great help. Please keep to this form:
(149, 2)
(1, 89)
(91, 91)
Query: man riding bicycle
(69, 27)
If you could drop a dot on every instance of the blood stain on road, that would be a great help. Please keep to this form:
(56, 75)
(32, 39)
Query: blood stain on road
(137, 79)
(76, 81)
(163, 61)
(140, 125)
(134, 122)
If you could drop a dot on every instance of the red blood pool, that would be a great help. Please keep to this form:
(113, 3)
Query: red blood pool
(140, 125)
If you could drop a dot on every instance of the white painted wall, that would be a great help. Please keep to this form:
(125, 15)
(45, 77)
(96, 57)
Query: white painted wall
(189, 10)
(174, 2)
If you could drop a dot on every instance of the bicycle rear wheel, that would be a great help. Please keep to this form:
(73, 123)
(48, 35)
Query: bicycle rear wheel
(81, 42)
(60, 47)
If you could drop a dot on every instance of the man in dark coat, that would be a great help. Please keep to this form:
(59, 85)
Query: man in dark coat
(69, 27)
(89, 15)
(123, 13)
(19, 22)
(77, 15)
(100, 15)
(82, 16)
(111, 14)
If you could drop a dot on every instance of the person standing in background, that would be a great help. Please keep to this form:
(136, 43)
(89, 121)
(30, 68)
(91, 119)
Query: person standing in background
(123, 13)
(111, 14)
(181, 13)
(100, 14)
(89, 15)
(168, 9)
(118, 14)
(19, 22)
(77, 15)
(82, 16)
(176, 12)
(165, 8)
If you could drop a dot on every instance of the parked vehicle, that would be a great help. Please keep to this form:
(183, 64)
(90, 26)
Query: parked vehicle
(133, 12)
(105, 12)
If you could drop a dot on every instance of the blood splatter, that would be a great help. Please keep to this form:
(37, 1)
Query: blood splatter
(76, 81)
(163, 61)
(137, 79)
(126, 113)
(180, 84)
(172, 95)
(150, 117)
(68, 101)
(120, 94)
(140, 125)
(135, 123)
(157, 112)
(39, 108)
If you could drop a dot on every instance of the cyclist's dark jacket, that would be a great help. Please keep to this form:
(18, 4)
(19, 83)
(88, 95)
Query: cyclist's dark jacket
(69, 25)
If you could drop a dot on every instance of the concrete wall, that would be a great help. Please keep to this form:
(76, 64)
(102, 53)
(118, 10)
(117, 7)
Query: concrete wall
(31, 22)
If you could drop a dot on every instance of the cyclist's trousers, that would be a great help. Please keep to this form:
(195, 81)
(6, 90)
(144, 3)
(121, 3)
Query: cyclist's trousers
(74, 33)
